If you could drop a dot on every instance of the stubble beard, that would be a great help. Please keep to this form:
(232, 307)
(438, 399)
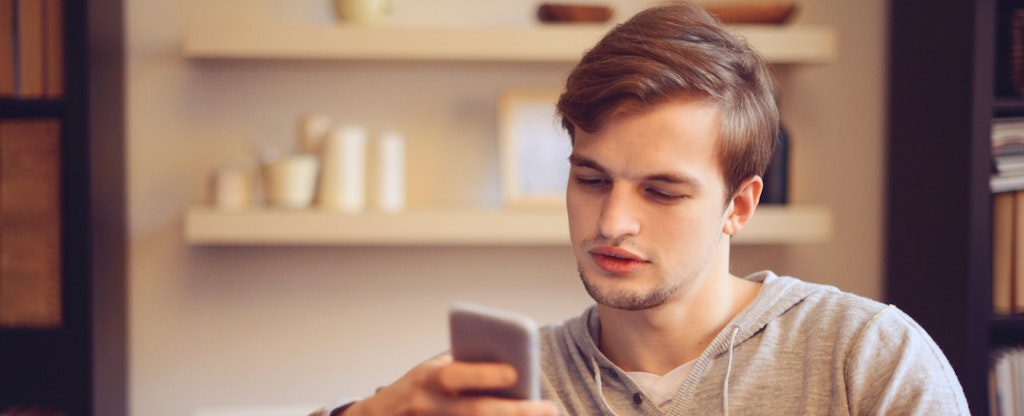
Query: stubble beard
(624, 299)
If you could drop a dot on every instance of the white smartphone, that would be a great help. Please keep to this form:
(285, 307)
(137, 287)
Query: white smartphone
(484, 334)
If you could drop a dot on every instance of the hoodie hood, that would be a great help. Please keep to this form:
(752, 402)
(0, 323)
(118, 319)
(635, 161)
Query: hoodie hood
(798, 348)
(776, 296)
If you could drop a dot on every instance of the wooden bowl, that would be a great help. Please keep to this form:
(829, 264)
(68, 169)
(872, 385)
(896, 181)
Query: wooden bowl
(558, 12)
(738, 12)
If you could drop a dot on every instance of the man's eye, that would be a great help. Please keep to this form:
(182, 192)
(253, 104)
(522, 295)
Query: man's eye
(590, 181)
(663, 196)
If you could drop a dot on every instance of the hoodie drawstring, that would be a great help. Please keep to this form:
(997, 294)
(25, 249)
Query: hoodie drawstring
(600, 384)
(728, 372)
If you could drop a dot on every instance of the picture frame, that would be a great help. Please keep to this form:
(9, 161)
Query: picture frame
(534, 150)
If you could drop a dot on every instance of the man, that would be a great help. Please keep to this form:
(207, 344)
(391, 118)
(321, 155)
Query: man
(672, 121)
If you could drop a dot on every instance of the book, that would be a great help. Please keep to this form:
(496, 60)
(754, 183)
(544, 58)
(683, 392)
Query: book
(1017, 260)
(30, 48)
(1007, 130)
(1015, 383)
(1009, 164)
(1002, 383)
(776, 176)
(1003, 253)
(30, 224)
(1007, 144)
(1008, 253)
(8, 83)
(53, 48)
(1006, 182)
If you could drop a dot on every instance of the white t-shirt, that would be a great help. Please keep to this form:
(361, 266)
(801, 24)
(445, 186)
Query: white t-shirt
(662, 389)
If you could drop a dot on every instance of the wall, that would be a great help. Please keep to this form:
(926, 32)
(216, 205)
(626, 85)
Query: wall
(215, 327)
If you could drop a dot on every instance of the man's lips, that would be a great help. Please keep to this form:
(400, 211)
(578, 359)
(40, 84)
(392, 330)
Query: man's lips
(616, 260)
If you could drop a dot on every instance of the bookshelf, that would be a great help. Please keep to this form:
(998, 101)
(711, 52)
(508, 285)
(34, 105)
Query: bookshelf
(62, 367)
(44, 360)
(939, 207)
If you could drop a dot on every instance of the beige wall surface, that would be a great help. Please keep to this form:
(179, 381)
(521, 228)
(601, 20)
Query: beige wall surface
(223, 327)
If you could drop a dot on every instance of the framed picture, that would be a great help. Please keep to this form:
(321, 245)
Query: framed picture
(534, 150)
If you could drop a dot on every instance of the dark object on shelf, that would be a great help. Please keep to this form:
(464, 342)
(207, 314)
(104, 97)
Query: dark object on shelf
(1010, 51)
(564, 12)
(776, 177)
(776, 12)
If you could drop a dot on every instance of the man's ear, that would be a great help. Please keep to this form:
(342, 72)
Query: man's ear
(743, 204)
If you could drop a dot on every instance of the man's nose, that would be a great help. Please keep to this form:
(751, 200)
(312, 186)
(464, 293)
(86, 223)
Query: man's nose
(619, 214)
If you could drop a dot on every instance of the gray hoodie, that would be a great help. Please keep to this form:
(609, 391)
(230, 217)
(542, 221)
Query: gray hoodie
(798, 349)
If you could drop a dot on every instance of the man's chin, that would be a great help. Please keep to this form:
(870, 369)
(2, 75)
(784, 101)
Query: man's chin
(629, 305)
(624, 299)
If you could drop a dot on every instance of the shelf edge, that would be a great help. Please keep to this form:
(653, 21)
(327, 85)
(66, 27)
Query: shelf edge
(206, 226)
(540, 43)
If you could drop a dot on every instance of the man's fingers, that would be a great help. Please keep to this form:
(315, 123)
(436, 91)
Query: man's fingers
(438, 387)
(457, 377)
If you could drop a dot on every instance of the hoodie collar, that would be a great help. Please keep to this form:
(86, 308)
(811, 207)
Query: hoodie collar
(777, 295)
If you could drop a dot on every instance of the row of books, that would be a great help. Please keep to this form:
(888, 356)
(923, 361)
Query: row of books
(1006, 381)
(31, 49)
(1007, 155)
(1007, 184)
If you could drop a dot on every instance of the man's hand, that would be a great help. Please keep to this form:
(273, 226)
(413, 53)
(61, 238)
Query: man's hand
(441, 386)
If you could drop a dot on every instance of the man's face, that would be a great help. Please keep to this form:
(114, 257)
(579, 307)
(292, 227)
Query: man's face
(645, 200)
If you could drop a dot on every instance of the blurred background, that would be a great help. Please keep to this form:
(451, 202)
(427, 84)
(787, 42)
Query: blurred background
(218, 327)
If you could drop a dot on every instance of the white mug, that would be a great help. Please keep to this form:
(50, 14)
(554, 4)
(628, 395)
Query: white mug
(291, 181)
(363, 11)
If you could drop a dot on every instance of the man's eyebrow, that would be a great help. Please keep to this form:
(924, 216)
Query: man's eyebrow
(581, 161)
(673, 178)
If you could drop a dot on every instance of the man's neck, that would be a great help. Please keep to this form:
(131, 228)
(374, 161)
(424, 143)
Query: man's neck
(659, 339)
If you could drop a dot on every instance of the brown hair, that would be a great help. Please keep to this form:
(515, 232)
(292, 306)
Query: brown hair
(671, 51)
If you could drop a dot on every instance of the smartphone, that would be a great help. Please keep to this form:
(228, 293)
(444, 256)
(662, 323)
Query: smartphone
(484, 334)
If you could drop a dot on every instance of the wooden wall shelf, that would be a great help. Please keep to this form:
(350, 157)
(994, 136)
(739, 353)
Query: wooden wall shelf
(238, 39)
(792, 224)
(534, 43)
